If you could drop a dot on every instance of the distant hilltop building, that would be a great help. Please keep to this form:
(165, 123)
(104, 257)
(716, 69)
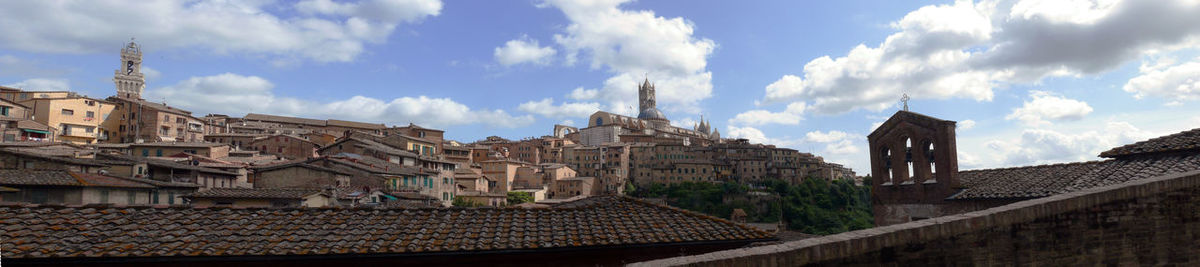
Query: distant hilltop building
(650, 124)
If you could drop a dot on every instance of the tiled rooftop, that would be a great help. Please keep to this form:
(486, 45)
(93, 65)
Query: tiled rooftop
(276, 193)
(64, 178)
(1183, 141)
(1047, 180)
(37, 177)
(118, 232)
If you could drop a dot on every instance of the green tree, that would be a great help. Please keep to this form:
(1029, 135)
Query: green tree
(515, 198)
(463, 202)
(813, 206)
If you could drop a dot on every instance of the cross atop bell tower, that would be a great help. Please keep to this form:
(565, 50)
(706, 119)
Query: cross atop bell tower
(128, 77)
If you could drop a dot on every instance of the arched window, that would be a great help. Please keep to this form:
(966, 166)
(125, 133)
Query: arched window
(599, 121)
(928, 148)
(885, 154)
(908, 158)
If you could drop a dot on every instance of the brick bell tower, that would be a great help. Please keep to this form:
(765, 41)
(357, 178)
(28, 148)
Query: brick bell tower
(914, 167)
(128, 77)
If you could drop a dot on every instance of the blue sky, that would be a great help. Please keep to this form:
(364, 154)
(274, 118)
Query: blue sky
(1030, 82)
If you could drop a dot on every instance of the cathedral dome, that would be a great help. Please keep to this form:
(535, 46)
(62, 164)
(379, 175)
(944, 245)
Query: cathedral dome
(651, 114)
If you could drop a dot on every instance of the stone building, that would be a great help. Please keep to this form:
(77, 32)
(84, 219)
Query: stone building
(915, 170)
(162, 149)
(78, 119)
(504, 171)
(298, 175)
(287, 146)
(434, 136)
(17, 125)
(236, 141)
(573, 187)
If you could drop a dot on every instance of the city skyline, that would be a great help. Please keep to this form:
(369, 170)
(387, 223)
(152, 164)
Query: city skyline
(746, 67)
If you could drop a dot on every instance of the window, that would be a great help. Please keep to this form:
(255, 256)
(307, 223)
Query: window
(4, 110)
(90, 103)
(145, 153)
(90, 115)
(153, 196)
(158, 152)
(104, 196)
(68, 112)
(171, 198)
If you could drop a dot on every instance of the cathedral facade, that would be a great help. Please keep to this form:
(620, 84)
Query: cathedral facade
(606, 127)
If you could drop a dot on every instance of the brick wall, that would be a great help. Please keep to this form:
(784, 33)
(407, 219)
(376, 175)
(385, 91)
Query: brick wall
(1153, 221)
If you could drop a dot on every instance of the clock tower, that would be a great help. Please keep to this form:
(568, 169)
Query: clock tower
(128, 77)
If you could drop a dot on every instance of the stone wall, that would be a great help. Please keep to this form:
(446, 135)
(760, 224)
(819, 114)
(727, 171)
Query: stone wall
(1153, 221)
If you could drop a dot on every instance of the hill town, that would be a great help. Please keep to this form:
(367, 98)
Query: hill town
(1018, 149)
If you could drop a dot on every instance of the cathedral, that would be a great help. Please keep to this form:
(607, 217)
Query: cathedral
(650, 123)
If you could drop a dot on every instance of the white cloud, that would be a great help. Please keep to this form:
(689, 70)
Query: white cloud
(546, 108)
(631, 44)
(1040, 146)
(754, 135)
(1048, 106)
(1166, 80)
(824, 137)
(523, 50)
(151, 73)
(41, 84)
(322, 31)
(230, 92)
(842, 148)
(966, 124)
(965, 50)
(792, 115)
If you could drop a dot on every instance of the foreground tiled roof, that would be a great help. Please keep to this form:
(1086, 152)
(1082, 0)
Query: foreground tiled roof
(1047, 180)
(1184, 141)
(272, 193)
(93, 232)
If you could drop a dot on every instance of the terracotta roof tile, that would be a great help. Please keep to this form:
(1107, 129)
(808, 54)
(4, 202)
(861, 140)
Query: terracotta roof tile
(280, 193)
(279, 232)
(1047, 180)
(1183, 141)
(38, 177)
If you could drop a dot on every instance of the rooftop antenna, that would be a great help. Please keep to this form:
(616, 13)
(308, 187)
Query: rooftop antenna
(904, 99)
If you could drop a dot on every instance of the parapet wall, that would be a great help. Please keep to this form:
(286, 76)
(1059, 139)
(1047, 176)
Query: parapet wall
(1153, 221)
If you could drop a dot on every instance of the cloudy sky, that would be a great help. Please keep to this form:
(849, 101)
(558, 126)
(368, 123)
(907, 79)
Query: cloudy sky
(1029, 82)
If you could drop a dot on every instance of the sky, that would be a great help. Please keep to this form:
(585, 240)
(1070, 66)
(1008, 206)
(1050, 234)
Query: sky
(1028, 82)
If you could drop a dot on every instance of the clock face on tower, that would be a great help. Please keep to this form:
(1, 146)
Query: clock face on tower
(129, 67)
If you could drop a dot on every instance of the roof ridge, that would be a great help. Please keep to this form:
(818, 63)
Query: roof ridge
(1038, 166)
